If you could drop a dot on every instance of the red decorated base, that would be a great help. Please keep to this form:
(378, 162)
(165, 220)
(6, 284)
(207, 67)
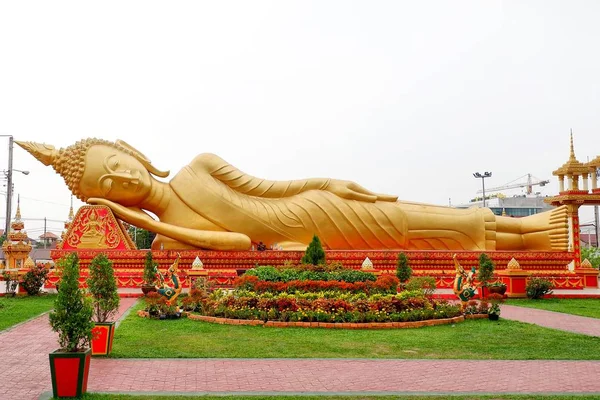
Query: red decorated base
(223, 267)
(69, 373)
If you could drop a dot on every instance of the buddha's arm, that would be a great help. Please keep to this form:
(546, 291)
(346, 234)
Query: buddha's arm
(252, 186)
(198, 238)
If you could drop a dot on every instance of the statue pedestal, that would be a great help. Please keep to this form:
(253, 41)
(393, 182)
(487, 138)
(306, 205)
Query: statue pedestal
(194, 274)
(515, 281)
(589, 276)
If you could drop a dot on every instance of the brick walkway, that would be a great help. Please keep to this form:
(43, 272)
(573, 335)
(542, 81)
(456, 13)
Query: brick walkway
(347, 376)
(25, 364)
(26, 370)
(551, 319)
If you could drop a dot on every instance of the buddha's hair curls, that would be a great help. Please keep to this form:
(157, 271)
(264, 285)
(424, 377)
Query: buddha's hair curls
(70, 161)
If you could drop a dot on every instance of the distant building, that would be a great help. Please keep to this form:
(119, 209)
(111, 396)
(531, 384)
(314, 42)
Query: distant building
(48, 239)
(588, 239)
(515, 206)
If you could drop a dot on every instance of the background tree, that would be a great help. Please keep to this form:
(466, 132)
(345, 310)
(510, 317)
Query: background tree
(141, 237)
(314, 254)
(403, 269)
(102, 285)
(592, 254)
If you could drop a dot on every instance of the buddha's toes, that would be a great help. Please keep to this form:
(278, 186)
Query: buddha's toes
(559, 228)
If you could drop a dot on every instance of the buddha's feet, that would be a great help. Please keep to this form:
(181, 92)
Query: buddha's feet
(546, 231)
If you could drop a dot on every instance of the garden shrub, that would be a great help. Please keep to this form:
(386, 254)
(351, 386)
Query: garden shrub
(150, 268)
(272, 274)
(34, 279)
(383, 284)
(403, 270)
(486, 270)
(11, 280)
(426, 284)
(314, 254)
(537, 287)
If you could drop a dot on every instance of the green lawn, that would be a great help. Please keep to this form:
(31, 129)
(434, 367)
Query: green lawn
(21, 308)
(96, 396)
(583, 307)
(473, 339)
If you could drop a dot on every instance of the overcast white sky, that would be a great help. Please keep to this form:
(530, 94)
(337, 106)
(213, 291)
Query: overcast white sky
(403, 97)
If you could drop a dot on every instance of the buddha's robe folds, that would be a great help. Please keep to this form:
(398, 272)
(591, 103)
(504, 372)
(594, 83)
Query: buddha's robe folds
(291, 212)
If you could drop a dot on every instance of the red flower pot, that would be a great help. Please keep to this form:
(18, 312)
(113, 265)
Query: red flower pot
(69, 372)
(102, 338)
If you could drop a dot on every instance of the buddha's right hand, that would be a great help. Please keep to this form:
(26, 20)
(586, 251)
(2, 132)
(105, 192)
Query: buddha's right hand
(353, 191)
(129, 215)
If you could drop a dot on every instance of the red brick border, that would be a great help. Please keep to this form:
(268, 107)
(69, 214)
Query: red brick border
(328, 325)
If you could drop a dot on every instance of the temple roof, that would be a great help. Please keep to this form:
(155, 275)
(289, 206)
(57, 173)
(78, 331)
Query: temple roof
(572, 166)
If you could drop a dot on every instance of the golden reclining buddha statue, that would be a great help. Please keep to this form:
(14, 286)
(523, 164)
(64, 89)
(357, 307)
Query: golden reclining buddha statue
(210, 204)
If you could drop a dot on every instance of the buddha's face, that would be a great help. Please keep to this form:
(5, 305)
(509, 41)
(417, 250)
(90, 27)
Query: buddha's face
(114, 175)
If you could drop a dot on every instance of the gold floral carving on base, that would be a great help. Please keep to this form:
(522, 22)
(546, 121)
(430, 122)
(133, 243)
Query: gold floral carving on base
(95, 227)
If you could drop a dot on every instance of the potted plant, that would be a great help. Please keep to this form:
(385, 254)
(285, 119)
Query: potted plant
(72, 319)
(149, 275)
(105, 299)
(486, 272)
(494, 310)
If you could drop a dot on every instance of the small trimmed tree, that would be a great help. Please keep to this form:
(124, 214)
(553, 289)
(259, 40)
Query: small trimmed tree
(103, 288)
(314, 254)
(72, 315)
(486, 270)
(403, 269)
(149, 270)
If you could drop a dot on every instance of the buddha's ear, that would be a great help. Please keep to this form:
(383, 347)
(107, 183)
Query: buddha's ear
(142, 158)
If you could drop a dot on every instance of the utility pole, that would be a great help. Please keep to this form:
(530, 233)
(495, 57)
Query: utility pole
(9, 186)
(45, 238)
(596, 222)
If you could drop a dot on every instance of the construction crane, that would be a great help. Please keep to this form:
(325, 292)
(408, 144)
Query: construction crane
(529, 184)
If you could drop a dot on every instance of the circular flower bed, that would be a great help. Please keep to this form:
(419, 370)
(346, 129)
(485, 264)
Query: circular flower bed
(320, 295)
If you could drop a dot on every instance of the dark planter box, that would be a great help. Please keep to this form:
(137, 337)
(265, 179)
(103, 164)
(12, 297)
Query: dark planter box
(69, 372)
(497, 289)
(102, 338)
(493, 317)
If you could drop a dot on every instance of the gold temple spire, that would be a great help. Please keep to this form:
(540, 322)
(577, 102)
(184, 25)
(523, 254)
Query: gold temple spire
(572, 155)
(71, 215)
(18, 214)
(572, 166)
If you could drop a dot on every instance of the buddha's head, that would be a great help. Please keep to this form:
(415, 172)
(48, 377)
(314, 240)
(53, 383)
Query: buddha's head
(99, 168)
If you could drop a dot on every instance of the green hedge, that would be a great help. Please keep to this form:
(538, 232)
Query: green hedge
(272, 274)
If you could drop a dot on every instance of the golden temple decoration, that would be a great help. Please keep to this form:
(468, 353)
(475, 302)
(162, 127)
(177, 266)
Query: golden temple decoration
(367, 265)
(29, 263)
(513, 264)
(572, 169)
(95, 227)
(16, 247)
(586, 264)
(197, 264)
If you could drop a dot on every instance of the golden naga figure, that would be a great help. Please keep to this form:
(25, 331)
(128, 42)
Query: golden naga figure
(210, 204)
